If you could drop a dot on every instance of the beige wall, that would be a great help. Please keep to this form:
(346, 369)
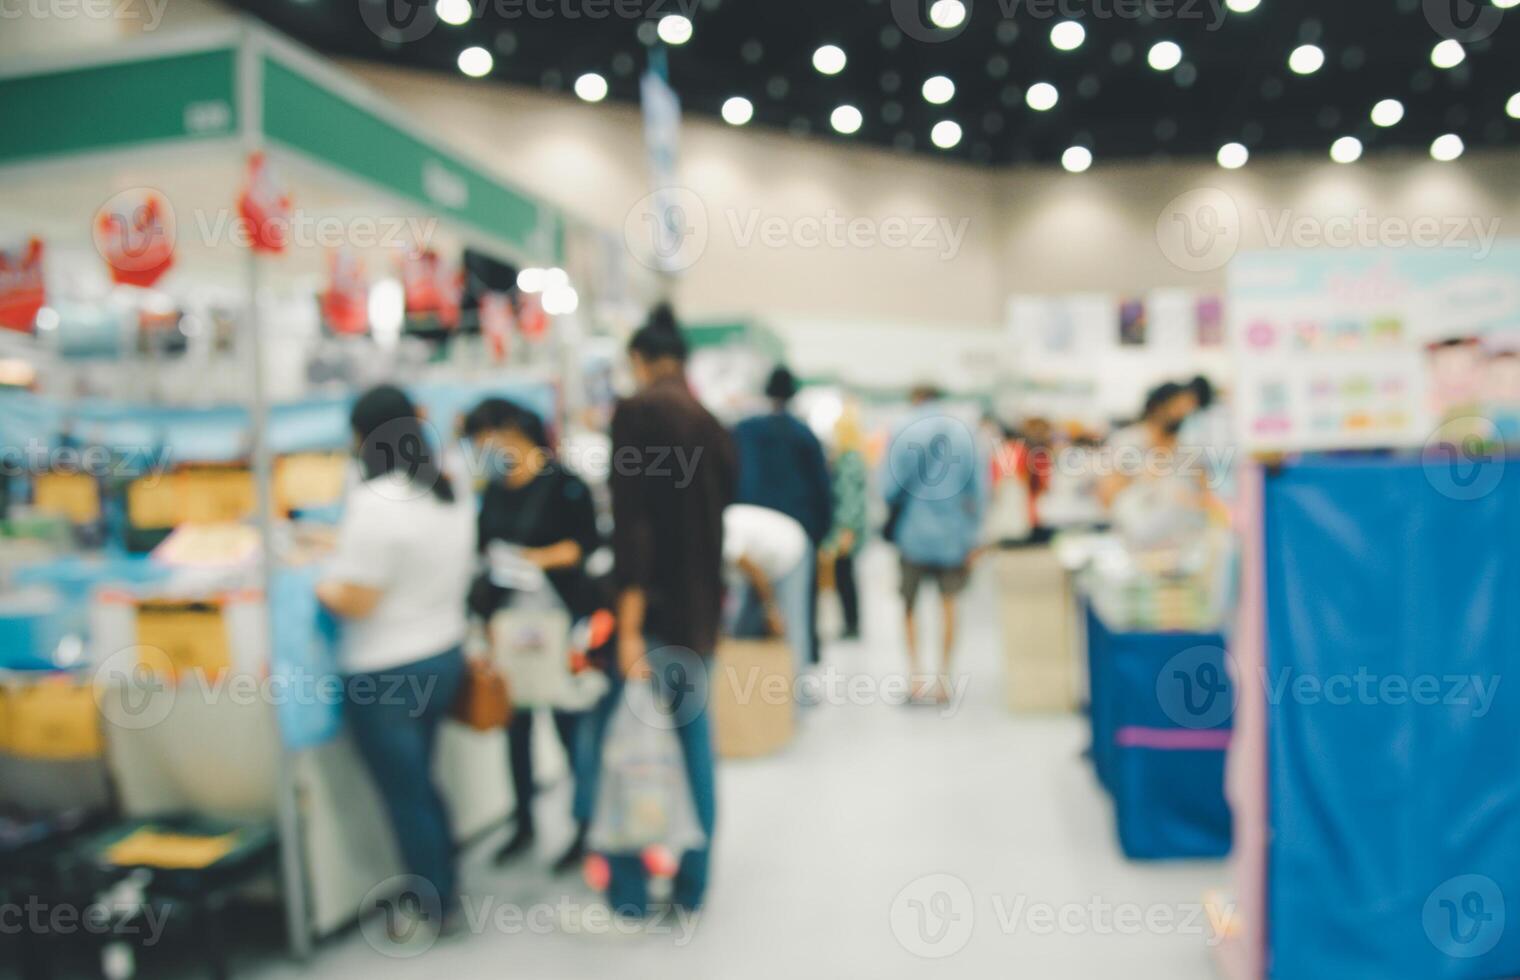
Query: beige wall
(1027, 230)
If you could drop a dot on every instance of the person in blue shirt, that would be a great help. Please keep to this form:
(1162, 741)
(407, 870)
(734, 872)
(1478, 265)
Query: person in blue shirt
(782, 466)
(936, 485)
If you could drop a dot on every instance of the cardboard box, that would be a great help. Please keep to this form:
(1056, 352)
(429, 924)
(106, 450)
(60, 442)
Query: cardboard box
(1035, 608)
(52, 718)
(72, 496)
(752, 696)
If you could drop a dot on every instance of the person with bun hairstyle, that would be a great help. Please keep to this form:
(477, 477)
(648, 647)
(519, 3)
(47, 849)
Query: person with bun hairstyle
(667, 542)
(398, 580)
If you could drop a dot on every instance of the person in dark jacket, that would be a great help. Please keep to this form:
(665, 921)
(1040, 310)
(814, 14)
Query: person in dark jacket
(531, 502)
(782, 466)
(673, 473)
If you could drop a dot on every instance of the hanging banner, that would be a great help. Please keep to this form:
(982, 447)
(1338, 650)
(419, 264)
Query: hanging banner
(134, 232)
(22, 291)
(662, 135)
(345, 302)
(264, 205)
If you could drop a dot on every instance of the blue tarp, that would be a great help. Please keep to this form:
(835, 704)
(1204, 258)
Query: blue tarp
(1393, 627)
(1160, 705)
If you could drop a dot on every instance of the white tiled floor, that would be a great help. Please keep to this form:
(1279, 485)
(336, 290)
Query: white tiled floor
(883, 833)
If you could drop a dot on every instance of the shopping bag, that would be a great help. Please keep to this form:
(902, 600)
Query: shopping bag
(484, 701)
(644, 795)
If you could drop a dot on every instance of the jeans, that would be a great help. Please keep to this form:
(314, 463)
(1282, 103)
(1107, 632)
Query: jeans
(394, 715)
(628, 888)
(520, 757)
(791, 591)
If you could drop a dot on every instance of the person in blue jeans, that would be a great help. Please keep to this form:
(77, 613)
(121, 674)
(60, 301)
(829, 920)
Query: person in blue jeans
(673, 473)
(398, 581)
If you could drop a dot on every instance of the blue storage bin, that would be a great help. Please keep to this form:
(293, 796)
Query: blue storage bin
(1168, 788)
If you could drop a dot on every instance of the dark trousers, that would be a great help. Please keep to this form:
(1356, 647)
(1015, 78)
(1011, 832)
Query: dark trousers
(520, 756)
(394, 715)
(813, 655)
(849, 595)
(682, 680)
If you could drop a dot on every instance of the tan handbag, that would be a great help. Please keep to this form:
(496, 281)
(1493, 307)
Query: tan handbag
(484, 703)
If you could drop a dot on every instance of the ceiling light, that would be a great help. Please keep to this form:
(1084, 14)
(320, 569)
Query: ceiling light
(1347, 149)
(1164, 55)
(945, 134)
(560, 300)
(938, 89)
(1306, 59)
(476, 61)
(1068, 35)
(531, 279)
(829, 59)
(1042, 96)
(1387, 113)
(1447, 148)
(947, 13)
(1447, 54)
(845, 119)
(1076, 159)
(454, 12)
(674, 29)
(1242, 6)
(591, 87)
(738, 110)
(1513, 106)
(1233, 156)
(1505, 4)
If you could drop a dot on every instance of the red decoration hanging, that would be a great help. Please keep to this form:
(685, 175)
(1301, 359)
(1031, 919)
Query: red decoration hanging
(22, 290)
(134, 232)
(345, 302)
(265, 208)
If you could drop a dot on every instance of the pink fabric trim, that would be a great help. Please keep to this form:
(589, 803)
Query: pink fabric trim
(1173, 739)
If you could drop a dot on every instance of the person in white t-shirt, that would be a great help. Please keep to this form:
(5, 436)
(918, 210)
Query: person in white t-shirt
(399, 580)
(770, 551)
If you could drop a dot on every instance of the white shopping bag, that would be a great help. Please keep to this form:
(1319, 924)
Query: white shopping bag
(644, 794)
(532, 647)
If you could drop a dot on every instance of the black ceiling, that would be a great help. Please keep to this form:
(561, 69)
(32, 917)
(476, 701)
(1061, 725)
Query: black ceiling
(1233, 85)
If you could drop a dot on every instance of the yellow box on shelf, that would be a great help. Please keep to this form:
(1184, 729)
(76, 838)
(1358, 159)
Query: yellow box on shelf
(183, 638)
(51, 718)
(304, 480)
(199, 495)
(72, 496)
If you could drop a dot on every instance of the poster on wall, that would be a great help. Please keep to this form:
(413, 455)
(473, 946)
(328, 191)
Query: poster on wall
(1334, 348)
(1133, 322)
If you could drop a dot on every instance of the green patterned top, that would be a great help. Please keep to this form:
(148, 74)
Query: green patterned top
(849, 500)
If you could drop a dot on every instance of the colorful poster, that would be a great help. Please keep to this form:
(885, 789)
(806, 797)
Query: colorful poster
(1133, 323)
(264, 205)
(134, 233)
(1333, 347)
